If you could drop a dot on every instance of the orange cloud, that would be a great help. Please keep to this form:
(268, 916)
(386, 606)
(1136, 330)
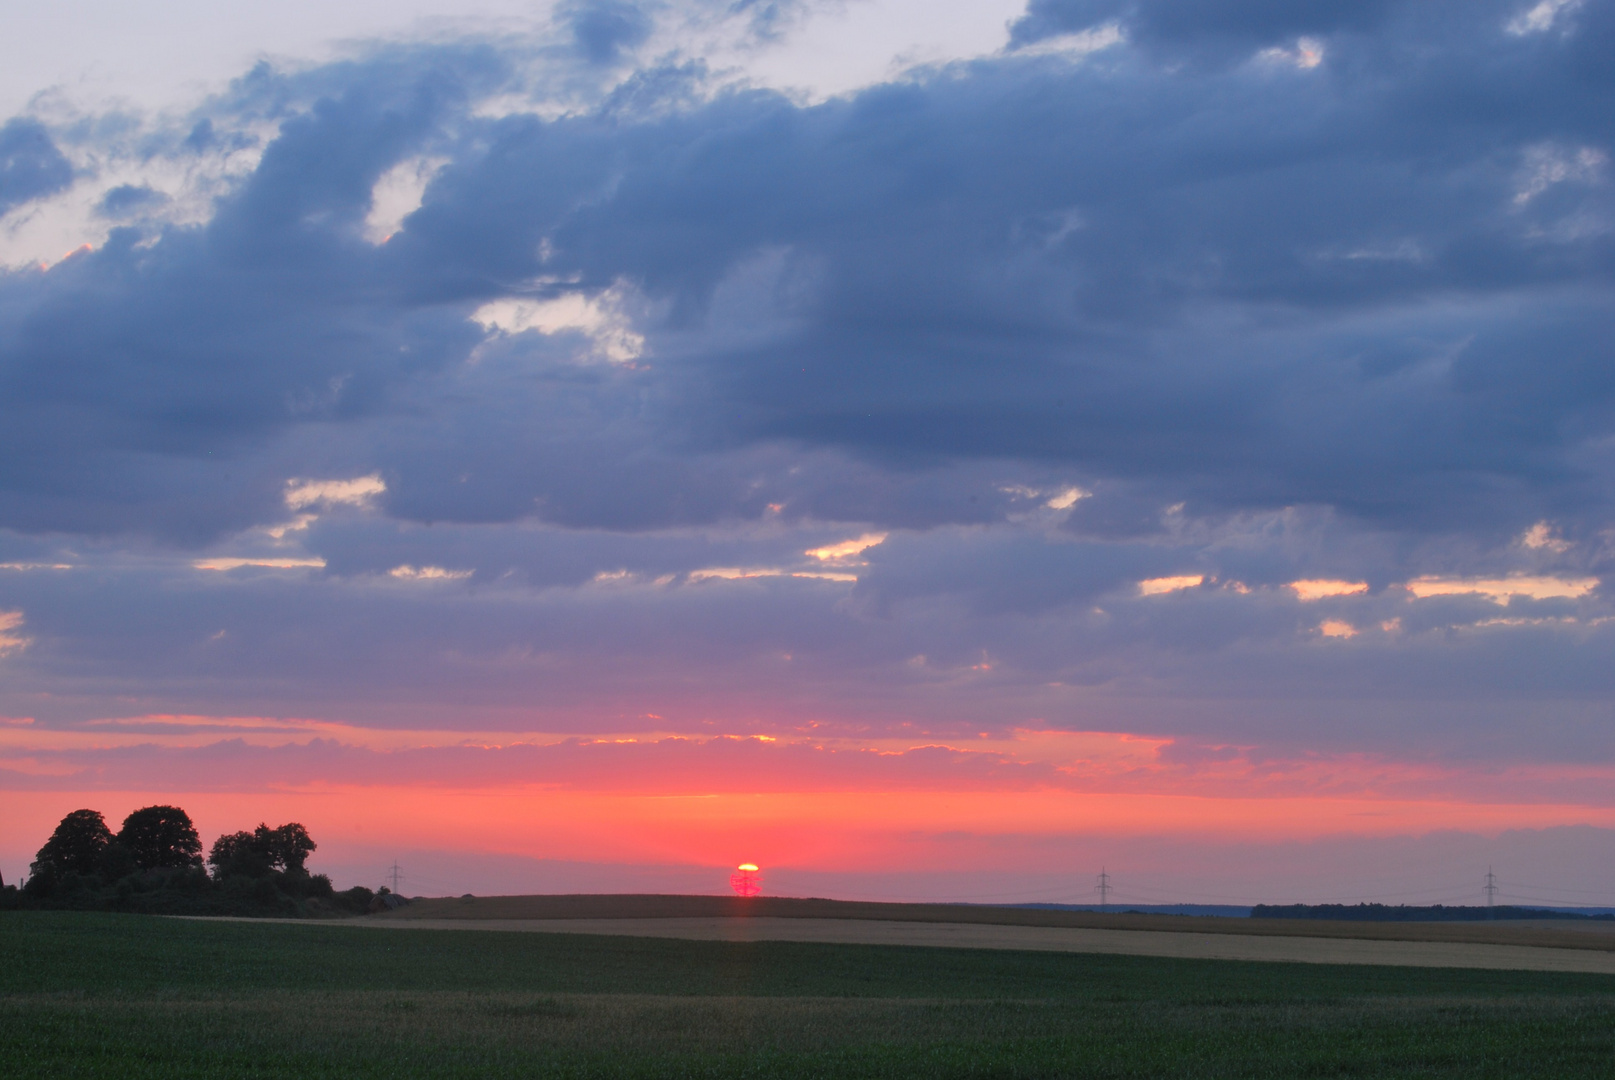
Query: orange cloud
(1319, 588)
(847, 549)
(1500, 590)
(10, 642)
(1161, 585)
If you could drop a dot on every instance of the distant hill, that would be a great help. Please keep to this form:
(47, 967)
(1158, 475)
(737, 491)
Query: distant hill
(1227, 911)
(1428, 913)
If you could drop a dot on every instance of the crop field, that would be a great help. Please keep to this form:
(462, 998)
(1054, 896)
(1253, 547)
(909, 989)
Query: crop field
(1583, 935)
(92, 995)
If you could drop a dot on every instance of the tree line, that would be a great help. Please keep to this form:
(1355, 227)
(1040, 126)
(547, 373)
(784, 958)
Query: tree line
(154, 863)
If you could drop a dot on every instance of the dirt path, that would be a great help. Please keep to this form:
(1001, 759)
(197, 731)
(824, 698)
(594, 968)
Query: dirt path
(1217, 946)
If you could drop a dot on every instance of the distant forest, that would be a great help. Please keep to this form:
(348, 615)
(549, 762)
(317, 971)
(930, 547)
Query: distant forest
(1409, 913)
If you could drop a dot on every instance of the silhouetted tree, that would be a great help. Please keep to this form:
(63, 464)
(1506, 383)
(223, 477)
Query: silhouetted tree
(288, 846)
(161, 836)
(76, 846)
(117, 861)
(238, 855)
(264, 849)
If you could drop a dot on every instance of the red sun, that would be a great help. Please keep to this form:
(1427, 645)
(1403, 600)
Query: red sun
(747, 880)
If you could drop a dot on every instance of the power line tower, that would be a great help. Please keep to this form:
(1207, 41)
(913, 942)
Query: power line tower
(394, 873)
(1103, 888)
(1491, 892)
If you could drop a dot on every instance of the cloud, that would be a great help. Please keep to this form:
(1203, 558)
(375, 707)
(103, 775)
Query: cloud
(1202, 27)
(1162, 585)
(1500, 590)
(604, 29)
(397, 193)
(1318, 589)
(359, 491)
(1041, 386)
(1539, 537)
(1540, 17)
(9, 641)
(786, 303)
(427, 573)
(1547, 165)
(31, 166)
(742, 573)
(600, 317)
(846, 550)
(266, 563)
(1305, 54)
(1066, 498)
(129, 200)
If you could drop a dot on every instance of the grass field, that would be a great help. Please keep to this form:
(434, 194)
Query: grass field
(135, 996)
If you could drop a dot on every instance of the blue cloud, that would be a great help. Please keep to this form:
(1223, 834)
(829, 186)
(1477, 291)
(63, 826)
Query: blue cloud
(129, 200)
(30, 164)
(1231, 29)
(1240, 287)
(1340, 312)
(603, 29)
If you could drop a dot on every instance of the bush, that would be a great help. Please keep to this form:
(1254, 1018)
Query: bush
(40, 885)
(355, 900)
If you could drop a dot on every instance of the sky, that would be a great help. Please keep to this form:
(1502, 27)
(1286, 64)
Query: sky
(929, 450)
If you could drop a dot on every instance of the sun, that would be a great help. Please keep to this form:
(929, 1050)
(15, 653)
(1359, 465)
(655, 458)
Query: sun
(745, 880)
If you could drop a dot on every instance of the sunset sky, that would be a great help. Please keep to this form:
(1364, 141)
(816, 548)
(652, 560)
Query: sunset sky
(927, 449)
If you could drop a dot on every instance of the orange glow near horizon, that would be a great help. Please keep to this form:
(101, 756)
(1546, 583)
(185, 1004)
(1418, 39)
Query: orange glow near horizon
(843, 831)
(787, 800)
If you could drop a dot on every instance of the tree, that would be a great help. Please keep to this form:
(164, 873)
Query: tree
(238, 855)
(161, 836)
(77, 845)
(264, 849)
(288, 846)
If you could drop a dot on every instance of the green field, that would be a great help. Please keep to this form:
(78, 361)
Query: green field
(136, 996)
